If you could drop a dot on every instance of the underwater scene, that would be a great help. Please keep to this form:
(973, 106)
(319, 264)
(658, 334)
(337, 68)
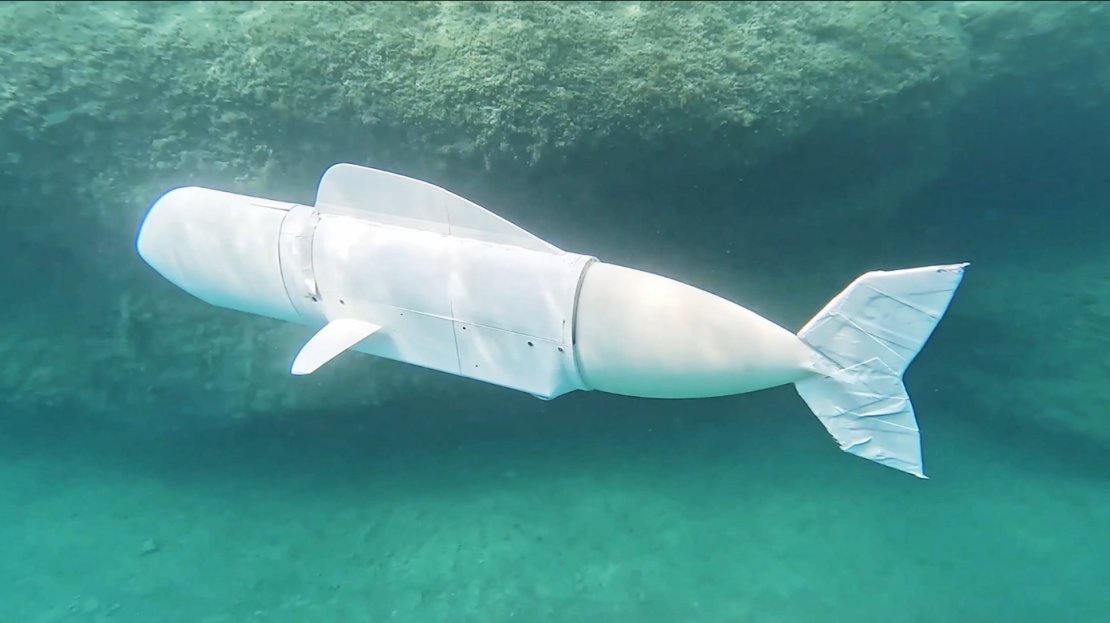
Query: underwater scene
(555, 312)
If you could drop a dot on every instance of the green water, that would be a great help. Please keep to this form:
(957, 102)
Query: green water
(159, 465)
(737, 509)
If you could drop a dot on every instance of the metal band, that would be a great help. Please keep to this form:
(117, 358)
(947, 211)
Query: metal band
(295, 257)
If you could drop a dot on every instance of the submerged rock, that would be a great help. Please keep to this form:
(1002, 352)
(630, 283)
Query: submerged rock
(103, 106)
(138, 96)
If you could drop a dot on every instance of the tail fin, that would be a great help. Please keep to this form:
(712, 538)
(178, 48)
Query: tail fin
(869, 334)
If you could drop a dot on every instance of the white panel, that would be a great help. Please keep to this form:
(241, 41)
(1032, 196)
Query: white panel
(540, 367)
(517, 290)
(411, 337)
(422, 288)
(391, 277)
(395, 266)
(391, 199)
(220, 247)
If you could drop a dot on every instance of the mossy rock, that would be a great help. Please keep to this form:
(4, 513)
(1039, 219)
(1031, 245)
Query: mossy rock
(143, 96)
(103, 106)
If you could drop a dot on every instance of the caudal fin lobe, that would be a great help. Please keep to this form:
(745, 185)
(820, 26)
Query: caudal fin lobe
(869, 334)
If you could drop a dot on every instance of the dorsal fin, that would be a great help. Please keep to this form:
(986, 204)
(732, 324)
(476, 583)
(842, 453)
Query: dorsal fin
(386, 197)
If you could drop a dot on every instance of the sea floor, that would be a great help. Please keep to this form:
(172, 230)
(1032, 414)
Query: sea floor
(587, 509)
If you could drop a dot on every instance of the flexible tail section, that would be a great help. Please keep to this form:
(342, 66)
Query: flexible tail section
(869, 334)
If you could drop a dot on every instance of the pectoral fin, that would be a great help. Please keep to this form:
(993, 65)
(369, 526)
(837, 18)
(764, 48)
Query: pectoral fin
(336, 337)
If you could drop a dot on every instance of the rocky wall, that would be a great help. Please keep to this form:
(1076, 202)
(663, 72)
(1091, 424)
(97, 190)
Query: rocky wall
(533, 107)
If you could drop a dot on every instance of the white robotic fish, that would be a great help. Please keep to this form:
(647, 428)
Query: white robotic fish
(395, 267)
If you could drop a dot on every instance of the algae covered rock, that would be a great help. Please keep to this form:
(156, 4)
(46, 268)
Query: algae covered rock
(152, 93)
(1045, 44)
(105, 105)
